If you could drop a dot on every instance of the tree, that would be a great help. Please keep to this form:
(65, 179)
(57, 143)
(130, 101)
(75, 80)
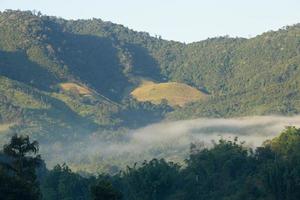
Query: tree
(63, 184)
(104, 190)
(219, 172)
(279, 165)
(18, 167)
(23, 152)
(156, 179)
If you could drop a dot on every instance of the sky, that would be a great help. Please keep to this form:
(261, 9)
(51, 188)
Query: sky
(180, 20)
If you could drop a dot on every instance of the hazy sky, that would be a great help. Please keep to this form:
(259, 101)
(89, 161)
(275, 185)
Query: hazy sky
(183, 20)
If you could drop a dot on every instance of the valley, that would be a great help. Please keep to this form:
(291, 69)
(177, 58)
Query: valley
(94, 110)
(73, 80)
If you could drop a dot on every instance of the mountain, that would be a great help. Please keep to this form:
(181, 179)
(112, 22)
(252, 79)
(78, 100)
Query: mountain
(71, 77)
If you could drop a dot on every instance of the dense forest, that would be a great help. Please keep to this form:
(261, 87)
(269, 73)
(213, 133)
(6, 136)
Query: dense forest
(38, 53)
(68, 85)
(227, 170)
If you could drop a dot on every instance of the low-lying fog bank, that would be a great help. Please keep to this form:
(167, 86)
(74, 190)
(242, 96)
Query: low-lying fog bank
(167, 139)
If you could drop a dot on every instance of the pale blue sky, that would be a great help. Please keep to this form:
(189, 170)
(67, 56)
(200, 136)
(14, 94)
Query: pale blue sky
(182, 20)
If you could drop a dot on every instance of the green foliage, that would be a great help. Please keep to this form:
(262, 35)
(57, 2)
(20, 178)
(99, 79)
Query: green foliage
(18, 166)
(227, 170)
(104, 190)
(17, 149)
(132, 111)
(93, 49)
(279, 166)
(242, 76)
(287, 144)
(218, 173)
(255, 76)
(62, 183)
(156, 179)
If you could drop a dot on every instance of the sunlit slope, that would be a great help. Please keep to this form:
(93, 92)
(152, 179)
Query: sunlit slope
(5, 127)
(76, 88)
(177, 94)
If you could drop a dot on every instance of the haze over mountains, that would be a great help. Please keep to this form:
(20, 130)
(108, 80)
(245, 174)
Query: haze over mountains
(61, 79)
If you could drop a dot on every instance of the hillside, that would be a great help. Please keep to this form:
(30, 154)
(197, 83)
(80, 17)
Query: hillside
(176, 94)
(39, 55)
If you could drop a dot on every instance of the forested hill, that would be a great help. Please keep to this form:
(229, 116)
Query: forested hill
(39, 54)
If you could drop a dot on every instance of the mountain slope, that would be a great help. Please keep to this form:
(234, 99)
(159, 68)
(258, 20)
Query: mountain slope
(39, 53)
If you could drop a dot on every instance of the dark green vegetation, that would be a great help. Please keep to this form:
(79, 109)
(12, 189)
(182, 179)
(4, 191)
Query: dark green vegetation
(18, 165)
(228, 170)
(37, 53)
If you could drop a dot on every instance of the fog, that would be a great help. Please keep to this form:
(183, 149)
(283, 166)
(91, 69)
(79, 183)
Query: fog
(167, 139)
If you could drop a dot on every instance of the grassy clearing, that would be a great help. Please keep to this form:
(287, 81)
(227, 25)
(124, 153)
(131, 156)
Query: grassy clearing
(5, 127)
(82, 90)
(177, 94)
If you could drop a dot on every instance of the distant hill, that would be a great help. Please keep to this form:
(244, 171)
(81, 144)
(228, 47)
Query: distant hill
(40, 54)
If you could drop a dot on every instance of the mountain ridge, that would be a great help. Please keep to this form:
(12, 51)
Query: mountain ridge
(256, 76)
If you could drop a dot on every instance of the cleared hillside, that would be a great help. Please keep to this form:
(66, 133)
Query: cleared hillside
(176, 94)
(74, 87)
(5, 127)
